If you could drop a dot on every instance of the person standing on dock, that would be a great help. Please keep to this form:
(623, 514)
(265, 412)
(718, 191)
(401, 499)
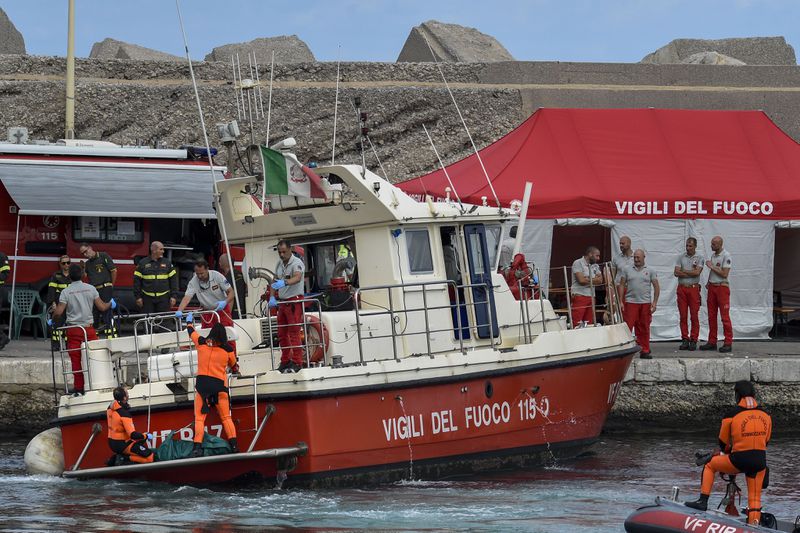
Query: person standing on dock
(585, 277)
(719, 297)
(638, 301)
(743, 438)
(288, 286)
(58, 282)
(688, 268)
(214, 356)
(123, 439)
(624, 259)
(77, 300)
(155, 282)
(102, 273)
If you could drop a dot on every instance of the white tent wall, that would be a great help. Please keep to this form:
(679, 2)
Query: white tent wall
(537, 243)
(751, 245)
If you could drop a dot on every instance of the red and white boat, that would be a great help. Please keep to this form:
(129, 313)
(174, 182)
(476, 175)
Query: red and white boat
(420, 360)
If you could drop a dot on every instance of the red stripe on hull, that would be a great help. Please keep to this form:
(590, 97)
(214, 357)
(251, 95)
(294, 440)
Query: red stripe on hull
(429, 422)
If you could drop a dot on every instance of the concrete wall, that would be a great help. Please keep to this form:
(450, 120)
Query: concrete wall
(125, 101)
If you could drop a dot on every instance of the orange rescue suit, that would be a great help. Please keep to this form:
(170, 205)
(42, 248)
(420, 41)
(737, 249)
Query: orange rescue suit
(743, 435)
(211, 385)
(123, 438)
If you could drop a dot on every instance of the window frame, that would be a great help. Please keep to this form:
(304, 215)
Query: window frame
(419, 231)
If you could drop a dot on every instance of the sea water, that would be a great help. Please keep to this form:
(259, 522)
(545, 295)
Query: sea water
(593, 493)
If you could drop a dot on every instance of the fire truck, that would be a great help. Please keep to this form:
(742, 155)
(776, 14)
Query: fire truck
(55, 196)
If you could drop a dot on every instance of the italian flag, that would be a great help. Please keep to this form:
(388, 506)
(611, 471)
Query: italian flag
(284, 175)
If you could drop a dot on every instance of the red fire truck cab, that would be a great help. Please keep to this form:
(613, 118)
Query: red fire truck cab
(53, 197)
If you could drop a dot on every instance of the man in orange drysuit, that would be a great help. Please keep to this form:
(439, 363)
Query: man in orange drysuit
(123, 439)
(214, 357)
(743, 438)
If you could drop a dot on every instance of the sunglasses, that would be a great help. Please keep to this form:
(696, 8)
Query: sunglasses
(64, 262)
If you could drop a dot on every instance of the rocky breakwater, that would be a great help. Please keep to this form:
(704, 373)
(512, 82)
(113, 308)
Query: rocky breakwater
(673, 391)
(27, 402)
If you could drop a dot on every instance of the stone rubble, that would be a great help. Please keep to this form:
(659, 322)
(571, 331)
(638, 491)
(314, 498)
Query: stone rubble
(451, 43)
(749, 50)
(113, 49)
(287, 48)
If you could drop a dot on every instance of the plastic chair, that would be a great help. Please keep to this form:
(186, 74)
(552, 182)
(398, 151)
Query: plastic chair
(25, 300)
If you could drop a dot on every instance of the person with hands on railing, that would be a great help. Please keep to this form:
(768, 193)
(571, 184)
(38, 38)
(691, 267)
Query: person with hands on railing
(214, 356)
(78, 300)
(286, 289)
(212, 291)
(123, 439)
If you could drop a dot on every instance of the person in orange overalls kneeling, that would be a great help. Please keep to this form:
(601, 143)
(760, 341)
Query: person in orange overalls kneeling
(743, 438)
(123, 439)
(214, 357)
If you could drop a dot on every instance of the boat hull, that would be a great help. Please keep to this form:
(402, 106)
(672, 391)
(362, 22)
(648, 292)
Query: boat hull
(428, 429)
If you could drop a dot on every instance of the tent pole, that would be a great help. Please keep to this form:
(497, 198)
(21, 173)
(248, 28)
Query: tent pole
(220, 217)
(13, 279)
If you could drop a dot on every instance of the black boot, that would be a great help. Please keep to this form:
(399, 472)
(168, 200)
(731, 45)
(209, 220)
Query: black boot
(197, 451)
(701, 504)
(234, 445)
(684, 344)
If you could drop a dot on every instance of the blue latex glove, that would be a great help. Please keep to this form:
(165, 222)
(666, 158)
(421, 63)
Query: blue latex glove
(221, 305)
(279, 284)
(113, 303)
(273, 302)
(50, 322)
(149, 436)
(178, 314)
(190, 318)
(535, 279)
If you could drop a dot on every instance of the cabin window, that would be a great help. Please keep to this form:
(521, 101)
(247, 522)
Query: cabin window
(493, 232)
(418, 245)
(477, 253)
(107, 229)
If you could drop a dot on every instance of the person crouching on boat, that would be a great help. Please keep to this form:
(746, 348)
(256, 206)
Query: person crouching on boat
(123, 439)
(743, 438)
(214, 357)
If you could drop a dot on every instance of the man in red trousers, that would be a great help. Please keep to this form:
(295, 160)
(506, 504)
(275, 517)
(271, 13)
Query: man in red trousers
(639, 301)
(719, 297)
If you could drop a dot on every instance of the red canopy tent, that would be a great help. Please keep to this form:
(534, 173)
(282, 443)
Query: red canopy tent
(635, 163)
(658, 176)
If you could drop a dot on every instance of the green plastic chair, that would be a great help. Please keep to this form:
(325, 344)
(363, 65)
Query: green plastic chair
(25, 301)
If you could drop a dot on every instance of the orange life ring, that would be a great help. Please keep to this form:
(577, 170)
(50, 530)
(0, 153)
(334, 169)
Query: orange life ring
(318, 339)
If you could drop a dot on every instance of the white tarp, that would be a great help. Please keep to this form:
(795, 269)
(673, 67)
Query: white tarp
(751, 245)
(70, 189)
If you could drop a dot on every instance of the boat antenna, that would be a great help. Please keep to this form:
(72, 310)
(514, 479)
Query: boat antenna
(220, 216)
(444, 168)
(336, 105)
(269, 116)
(474, 148)
(362, 134)
(235, 92)
(371, 145)
(258, 85)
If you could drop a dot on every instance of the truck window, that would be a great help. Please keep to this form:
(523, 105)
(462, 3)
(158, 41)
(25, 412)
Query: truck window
(107, 229)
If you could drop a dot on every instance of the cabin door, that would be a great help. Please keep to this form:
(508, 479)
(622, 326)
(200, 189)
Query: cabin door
(480, 274)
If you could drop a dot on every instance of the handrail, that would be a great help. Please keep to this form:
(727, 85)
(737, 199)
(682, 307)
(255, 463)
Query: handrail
(304, 345)
(96, 428)
(84, 350)
(393, 313)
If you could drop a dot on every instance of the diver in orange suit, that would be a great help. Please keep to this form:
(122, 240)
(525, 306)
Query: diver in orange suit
(743, 438)
(214, 357)
(123, 439)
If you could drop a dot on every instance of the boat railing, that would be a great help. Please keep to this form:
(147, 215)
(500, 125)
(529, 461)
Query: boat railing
(528, 289)
(310, 346)
(455, 305)
(64, 350)
(604, 306)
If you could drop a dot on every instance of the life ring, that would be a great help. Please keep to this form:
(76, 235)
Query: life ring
(317, 340)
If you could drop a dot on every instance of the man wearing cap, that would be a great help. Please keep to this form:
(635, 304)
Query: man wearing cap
(688, 268)
(102, 273)
(719, 297)
(639, 301)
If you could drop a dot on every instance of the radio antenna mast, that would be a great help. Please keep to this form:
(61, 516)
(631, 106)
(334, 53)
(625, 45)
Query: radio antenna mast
(474, 148)
(336, 105)
(266, 141)
(221, 218)
(444, 169)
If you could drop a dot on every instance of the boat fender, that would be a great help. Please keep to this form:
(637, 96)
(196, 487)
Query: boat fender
(45, 453)
(318, 334)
